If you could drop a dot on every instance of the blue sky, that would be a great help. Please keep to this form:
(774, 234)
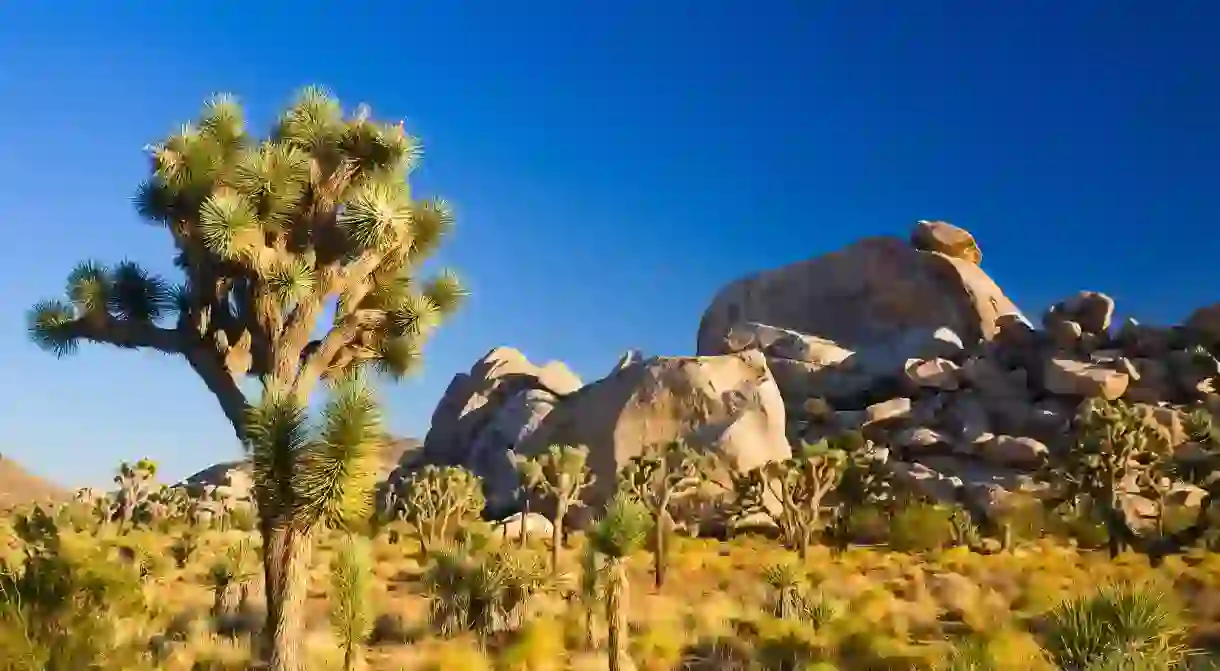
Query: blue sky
(613, 164)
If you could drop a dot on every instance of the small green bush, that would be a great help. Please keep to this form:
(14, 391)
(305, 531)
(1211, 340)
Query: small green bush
(920, 527)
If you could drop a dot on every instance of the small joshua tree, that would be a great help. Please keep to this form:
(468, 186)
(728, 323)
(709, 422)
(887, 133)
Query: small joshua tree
(656, 478)
(438, 501)
(1113, 446)
(560, 474)
(135, 484)
(800, 485)
(351, 606)
(621, 532)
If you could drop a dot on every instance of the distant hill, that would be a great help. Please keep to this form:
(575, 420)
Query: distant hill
(18, 486)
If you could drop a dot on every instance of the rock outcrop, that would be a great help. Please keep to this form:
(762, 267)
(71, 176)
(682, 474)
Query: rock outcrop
(908, 342)
(867, 295)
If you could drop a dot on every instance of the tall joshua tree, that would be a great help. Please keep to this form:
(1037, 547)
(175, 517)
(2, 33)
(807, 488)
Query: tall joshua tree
(658, 477)
(561, 474)
(298, 254)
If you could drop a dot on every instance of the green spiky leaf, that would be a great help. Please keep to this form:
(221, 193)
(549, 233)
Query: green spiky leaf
(398, 356)
(89, 288)
(338, 472)
(291, 282)
(446, 292)
(276, 436)
(138, 295)
(431, 221)
(226, 224)
(377, 217)
(623, 529)
(416, 316)
(48, 323)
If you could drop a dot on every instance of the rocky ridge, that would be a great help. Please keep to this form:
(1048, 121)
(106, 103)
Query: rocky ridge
(909, 342)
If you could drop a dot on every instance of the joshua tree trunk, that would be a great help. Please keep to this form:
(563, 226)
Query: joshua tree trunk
(286, 568)
(525, 513)
(659, 557)
(616, 612)
(561, 511)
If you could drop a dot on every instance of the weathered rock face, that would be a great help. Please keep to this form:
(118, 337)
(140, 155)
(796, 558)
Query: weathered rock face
(864, 295)
(473, 399)
(727, 403)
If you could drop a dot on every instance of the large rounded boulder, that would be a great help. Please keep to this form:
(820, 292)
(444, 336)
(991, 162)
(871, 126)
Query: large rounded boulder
(727, 404)
(866, 294)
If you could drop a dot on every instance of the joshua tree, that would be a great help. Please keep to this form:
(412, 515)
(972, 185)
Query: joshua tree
(800, 484)
(438, 501)
(351, 606)
(272, 235)
(621, 532)
(1112, 447)
(560, 474)
(657, 477)
(135, 487)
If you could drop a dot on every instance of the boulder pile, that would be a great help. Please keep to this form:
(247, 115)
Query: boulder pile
(909, 342)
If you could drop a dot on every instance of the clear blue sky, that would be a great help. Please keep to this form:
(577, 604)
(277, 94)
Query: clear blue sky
(614, 163)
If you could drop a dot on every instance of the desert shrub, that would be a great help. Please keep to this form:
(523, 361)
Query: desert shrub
(184, 548)
(1123, 626)
(537, 646)
(920, 527)
(391, 628)
(484, 593)
(60, 604)
(865, 525)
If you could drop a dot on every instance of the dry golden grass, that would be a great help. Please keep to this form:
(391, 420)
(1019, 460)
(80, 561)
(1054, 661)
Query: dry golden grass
(894, 610)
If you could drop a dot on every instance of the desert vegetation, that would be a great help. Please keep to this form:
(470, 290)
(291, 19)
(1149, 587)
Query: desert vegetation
(878, 578)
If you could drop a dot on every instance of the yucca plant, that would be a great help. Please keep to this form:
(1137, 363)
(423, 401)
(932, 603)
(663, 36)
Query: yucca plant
(481, 592)
(791, 598)
(184, 548)
(560, 474)
(656, 479)
(1119, 627)
(351, 604)
(273, 235)
(621, 532)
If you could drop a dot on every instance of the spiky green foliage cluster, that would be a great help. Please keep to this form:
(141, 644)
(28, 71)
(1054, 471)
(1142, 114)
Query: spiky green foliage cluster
(790, 596)
(271, 234)
(305, 476)
(482, 592)
(622, 529)
(439, 501)
(351, 605)
(1119, 627)
(800, 485)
